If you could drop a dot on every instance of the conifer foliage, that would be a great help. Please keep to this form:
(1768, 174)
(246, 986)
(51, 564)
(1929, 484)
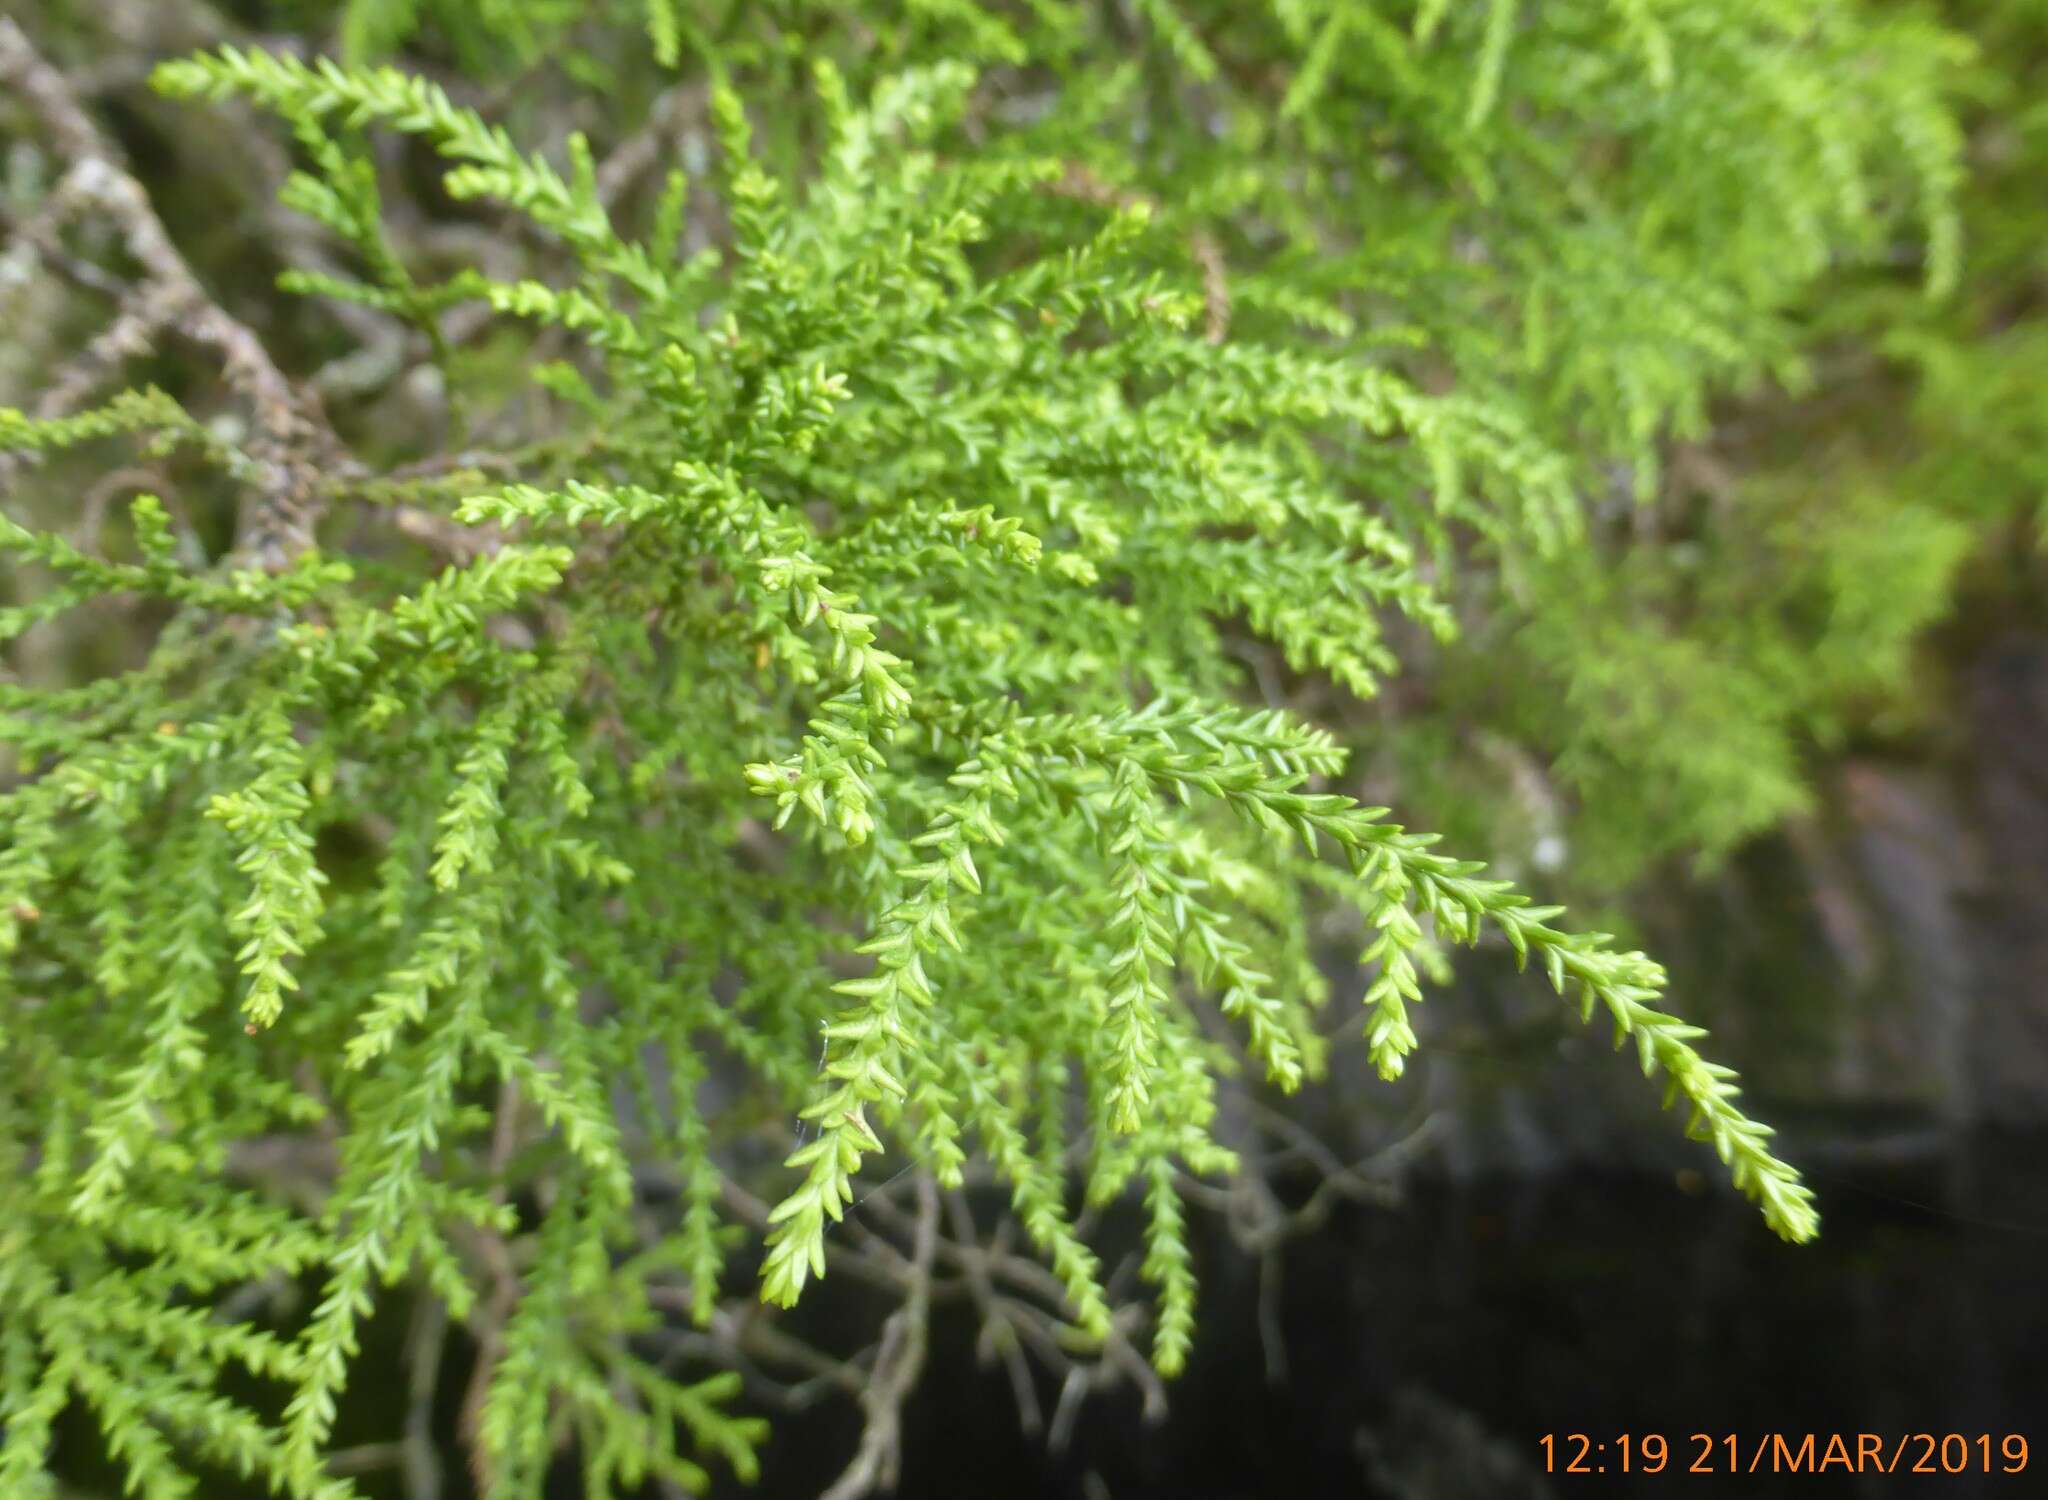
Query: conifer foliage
(822, 674)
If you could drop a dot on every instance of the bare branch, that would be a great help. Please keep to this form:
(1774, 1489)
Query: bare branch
(998, 1330)
(676, 112)
(293, 447)
(488, 1323)
(419, 1459)
(897, 1365)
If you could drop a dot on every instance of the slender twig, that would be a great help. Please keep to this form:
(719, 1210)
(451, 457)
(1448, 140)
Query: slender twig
(999, 1331)
(897, 1365)
(294, 447)
(419, 1459)
(677, 111)
(488, 1322)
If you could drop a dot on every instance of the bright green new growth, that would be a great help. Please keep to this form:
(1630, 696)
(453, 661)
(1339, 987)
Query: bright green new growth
(916, 519)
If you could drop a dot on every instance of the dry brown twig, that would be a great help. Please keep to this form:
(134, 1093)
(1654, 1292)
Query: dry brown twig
(488, 1324)
(898, 1363)
(679, 112)
(293, 447)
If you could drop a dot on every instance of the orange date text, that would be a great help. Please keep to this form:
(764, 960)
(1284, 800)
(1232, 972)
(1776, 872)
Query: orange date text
(1784, 1453)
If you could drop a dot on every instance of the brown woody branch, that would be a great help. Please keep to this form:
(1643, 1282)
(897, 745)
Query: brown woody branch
(898, 1363)
(293, 447)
